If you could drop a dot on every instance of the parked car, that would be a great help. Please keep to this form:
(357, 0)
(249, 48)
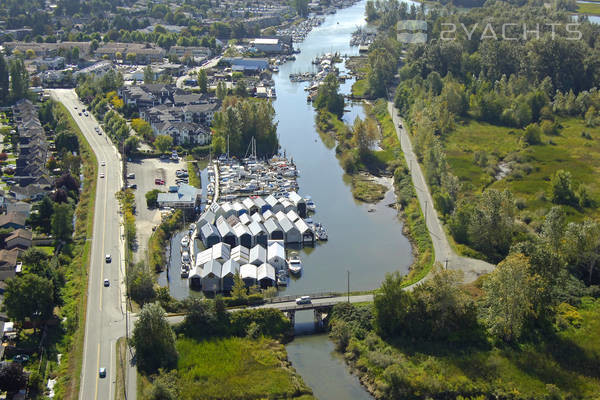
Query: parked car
(131, 176)
(159, 181)
(132, 186)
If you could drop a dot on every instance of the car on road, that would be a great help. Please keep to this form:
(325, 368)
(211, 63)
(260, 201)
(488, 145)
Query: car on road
(303, 300)
(102, 372)
(132, 186)
(108, 258)
(102, 175)
(106, 283)
(131, 176)
(103, 163)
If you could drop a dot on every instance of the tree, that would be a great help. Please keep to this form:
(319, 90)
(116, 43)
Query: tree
(40, 219)
(200, 320)
(4, 80)
(562, 190)
(62, 223)
(12, 377)
(19, 80)
(583, 246)
(532, 134)
(148, 74)
(151, 198)
(240, 89)
(67, 140)
(203, 81)
(239, 291)
(328, 97)
(221, 91)
(29, 298)
(131, 57)
(365, 133)
(131, 144)
(508, 298)
(153, 340)
(163, 143)
(142, 128)
(139, 284)
(392, 304)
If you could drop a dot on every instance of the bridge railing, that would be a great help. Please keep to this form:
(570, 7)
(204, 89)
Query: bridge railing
(309, 306)
(283, 299)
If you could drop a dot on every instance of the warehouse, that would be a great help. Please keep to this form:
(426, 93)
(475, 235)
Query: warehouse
(209, 235)
(230, 268)
(258, 255)
(259, 233)
(265, 275)
(227, 235)
(248, 274)
(211, 276)
(276, 254)
(274, 229)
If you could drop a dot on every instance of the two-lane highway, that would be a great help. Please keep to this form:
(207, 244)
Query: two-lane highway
(105, 315)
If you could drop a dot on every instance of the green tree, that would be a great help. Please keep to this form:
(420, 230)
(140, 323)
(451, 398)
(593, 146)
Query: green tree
(562, 189)
(29, 298)
(221, 91)
(153, 340)
(532, 134)
(508, 298)
(203, 81)
(40, 219)
(301, 7)
(12, 377)
(328, 97)
(67, 140)
(240, 89)
(239, 291)
(582, 246)
(131, 144)
(62, 223)
(4, 80)
(19, 80)
(163, 143)
(151, 198)
(140, 284)
(148, 74)
(131, 57)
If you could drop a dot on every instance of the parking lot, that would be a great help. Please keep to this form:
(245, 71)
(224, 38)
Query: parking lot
(146, 172)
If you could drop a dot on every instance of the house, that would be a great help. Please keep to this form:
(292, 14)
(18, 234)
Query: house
(207, 218)
(195, 277)
(261, 205)
(187, 197)
(211, 276)
(248, 273)
(184, 132)
(20, 239)
(250, 205)
(267, 45)
(239, 208)
(258, 255)
(276, 254)
(191, 51)
(292, 215)
(141, 53)
(12, 220)
(251, 65)
(265, 275)
(221, 252)
(8, 264)
(228, 271)
(245, 219)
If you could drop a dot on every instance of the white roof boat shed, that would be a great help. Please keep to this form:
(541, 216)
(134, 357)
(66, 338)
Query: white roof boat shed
(292, 234)
(265, 275)
(248, 274)
(258, 255)
(276, 254)
(274, 229)
(228, 271)
(211, 276)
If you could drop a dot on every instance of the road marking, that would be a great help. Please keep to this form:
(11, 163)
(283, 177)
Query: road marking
(97, 373)
(103, 241)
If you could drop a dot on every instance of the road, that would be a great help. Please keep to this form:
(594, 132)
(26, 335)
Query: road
(444, 254)
(192, 73)
(105, 314)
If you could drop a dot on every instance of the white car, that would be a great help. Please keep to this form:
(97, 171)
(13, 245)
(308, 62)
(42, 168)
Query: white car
(303, 300)
(108, 258)
(103, 163)
(102, 175)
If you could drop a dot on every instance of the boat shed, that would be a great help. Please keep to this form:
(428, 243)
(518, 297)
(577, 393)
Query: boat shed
(226, 210)
(280, 215)
(268, 214)
(276, 254)
(207, 218)
(259, 233)
(245, 219)
(274, 229)
(287, 205)
(240, 254)
(293, 216)
(257, 217)
(239, 208)
(308, 235)
(203, 257)
(195, 277)
(292, 234)
(211, 276)
(232, 220)
(258, 255)
(274, 204)
(261, 204)
(243, 235)
(227, 235)
(209, 235)
(248, 274)
(221, 252)
(228, 271)
(265, 275)
(250, 205)
(299, 202)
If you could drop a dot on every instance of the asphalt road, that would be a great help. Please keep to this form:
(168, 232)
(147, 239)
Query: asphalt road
(105, 316)
(444, 254)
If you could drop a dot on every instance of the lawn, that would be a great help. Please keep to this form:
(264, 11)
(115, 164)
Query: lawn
(588, 8)
(531, 166)
(237, 368)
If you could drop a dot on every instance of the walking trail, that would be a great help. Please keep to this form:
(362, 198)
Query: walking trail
(444, 254)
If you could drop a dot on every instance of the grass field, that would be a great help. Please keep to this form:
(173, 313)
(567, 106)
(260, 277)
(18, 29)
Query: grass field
(367, 190)
(237, 368)
(531, 167)
(588, 8)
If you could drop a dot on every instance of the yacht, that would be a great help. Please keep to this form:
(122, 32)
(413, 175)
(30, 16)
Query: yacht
(294, 263)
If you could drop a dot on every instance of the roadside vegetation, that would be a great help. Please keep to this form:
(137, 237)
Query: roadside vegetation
(214, 354)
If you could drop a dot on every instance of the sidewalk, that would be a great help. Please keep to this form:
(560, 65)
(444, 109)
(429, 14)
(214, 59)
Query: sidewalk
(444, 254)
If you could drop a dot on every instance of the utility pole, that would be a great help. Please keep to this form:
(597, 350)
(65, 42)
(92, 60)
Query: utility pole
(348, 286)
(425, 212)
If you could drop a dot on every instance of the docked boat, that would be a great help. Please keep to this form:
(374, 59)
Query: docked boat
(185, 270)
(311, 206)
(320, 232)
(185, 258)
(282, 278)
(294, 263)
(185, 241)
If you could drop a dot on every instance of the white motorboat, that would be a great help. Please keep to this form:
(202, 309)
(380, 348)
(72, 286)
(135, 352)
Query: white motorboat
(311, 206)
(294, 263)
(185, 241)
(185, 258)
(282, 278)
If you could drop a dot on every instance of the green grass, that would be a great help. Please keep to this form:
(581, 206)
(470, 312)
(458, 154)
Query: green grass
(588, 8)
(365, 189)
(46, 249)
(194, 174)
(237, 368)
(120, 362)
(568, 150)
(359, 88)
